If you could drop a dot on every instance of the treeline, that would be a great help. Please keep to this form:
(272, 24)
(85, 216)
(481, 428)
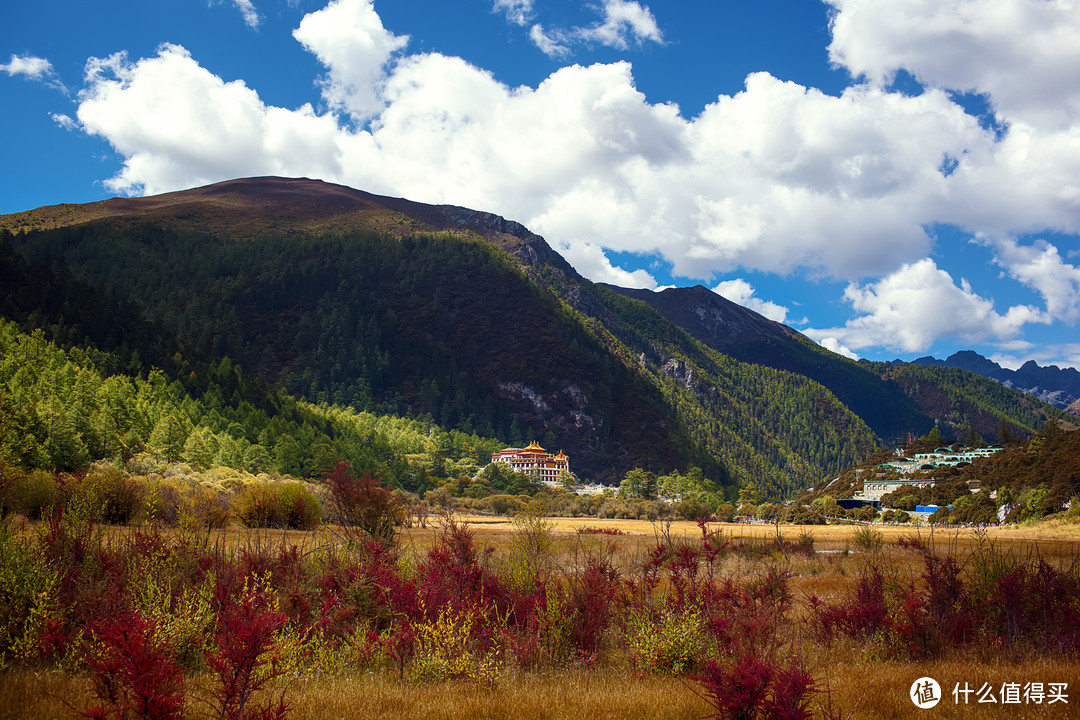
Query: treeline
(58, 411)
(451, 332)
(965, 402)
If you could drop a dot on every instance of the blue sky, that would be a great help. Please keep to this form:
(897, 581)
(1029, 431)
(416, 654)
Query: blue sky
(892, 179)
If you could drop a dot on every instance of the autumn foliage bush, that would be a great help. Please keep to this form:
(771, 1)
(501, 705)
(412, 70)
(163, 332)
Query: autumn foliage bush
(144, 612)
(283, 504)
(993, 600)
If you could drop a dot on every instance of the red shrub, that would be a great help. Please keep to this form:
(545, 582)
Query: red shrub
(861, 616)
(130, 676)
(1037, 606)
(737, 690)
(592, 597)
(243, 658)
(363, 502)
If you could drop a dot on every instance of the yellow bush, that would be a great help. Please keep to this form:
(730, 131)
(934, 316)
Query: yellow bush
(446, 649)
(277, 504)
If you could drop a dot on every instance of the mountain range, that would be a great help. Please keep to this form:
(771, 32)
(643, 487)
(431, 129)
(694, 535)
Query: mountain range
(350, 299)
(1059, 387)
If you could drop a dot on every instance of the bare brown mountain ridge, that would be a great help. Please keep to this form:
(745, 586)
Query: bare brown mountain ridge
(252, 207)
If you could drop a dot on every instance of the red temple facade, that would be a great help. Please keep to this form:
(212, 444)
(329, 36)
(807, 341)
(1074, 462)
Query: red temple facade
(534, 459)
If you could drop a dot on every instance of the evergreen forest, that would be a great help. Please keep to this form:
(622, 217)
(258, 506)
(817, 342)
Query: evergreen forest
(414, 353)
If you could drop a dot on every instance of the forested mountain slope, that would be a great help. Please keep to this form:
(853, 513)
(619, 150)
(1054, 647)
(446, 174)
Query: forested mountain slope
(747, 336)
(60, 410)
(897, 400)
(338, 296)
(1059, 387)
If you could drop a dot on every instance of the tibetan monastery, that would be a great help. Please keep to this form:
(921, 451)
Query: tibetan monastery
(534, 459)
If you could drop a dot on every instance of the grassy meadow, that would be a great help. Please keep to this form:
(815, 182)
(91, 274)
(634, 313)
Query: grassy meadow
(481, 617)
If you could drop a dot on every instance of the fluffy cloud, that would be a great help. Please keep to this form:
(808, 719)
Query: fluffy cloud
(920, 303)
(622, 22)
(591, 261)
(1022, 53)
(35, 68)
(776, 178)
(349, 39)
(623, 19)
(1041, 268)
(219, 130)
(831, 343)
(741, 292)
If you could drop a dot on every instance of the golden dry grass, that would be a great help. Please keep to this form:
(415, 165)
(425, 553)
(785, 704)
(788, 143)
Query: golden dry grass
(858, 684)
(856, 688)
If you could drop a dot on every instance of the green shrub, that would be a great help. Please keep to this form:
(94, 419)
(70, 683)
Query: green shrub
(449, 647)
(202, 507)
(803, 515)
(866, 513)
(692, 509)
(160, 502)
(31, 494)
(868, 539)
(301, 509)
(257, 505)
(27, 593)
(725, 513)
(502, 504)
(941, 515)
(669, 643)
(116, 496)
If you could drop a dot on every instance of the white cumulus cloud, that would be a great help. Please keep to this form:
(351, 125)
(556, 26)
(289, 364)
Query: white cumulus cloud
(349, 39)
(918, 304)
(623, 21)
(1022, 53)
(1041, 268)
(741, 292)
(218, 130)
(590, 260)
(777, 178)
(831, 343)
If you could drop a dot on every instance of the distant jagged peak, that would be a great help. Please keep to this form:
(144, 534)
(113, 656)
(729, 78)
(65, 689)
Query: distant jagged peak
(1050, 383)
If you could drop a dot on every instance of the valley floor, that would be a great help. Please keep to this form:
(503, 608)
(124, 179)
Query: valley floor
(853, 678)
